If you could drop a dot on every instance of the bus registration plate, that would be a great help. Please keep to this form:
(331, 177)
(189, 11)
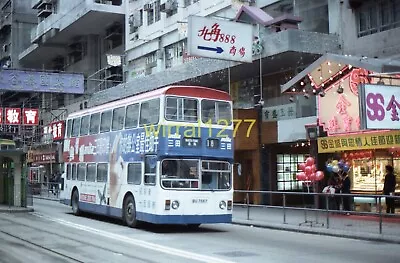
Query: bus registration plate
(199, 201)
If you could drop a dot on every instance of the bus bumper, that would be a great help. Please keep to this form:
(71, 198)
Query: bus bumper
(184, 219)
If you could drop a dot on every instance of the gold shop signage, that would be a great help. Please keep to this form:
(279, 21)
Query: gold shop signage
(352, 142)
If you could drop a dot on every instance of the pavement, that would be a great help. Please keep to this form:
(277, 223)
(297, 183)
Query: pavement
(354, 226)
(15, 209)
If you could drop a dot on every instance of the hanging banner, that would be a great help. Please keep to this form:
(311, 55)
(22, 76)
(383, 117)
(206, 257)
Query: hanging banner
(365, 141)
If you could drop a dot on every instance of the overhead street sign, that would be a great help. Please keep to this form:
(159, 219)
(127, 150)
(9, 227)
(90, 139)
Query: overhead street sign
(220, 39)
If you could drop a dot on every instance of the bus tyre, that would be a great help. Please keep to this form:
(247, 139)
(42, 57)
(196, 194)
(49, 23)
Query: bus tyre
(130, 212)
(75, 203)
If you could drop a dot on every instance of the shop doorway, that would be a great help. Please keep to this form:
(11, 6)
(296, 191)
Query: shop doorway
(7, 181)
(245, 180)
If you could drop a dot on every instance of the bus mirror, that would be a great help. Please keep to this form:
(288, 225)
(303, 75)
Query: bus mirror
(239, 169)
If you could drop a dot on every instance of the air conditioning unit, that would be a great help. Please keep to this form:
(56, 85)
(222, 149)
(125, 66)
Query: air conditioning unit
(168, 6)
(135, 36)
(160, 54)
(137, 22)
(148, 7)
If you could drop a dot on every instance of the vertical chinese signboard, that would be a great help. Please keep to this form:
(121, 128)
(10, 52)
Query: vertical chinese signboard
(55, 129)
(220, 39)
(379, 106)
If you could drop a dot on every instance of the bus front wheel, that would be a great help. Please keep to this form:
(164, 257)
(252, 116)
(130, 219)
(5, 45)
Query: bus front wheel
(75, 203)
(130, 212)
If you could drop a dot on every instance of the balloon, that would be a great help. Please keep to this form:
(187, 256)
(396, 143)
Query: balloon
(301, 176)
(312, 177)
(335, 169)
(309, 161)
(334, 162)
(308, 170)
(319, 175)
(329, 168)
(348, 164)
(302, 166)
(314, 168)
(346, 168)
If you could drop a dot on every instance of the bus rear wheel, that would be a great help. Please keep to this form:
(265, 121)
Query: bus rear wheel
(130, 212)
(75, 203)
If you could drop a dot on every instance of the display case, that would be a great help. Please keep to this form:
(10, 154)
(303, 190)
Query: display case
(287, 167)
(368, 174)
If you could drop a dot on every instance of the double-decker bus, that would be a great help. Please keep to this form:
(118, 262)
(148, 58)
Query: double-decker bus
(164, 157)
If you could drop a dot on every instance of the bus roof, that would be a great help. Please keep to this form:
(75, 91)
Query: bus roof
(189, 91)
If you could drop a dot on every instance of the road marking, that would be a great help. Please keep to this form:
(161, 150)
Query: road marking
(136, 242)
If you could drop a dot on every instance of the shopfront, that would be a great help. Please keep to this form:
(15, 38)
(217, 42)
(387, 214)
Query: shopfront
(367, 155)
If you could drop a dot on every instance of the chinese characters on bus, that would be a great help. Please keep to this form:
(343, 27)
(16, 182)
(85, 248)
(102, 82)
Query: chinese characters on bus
(17, 116)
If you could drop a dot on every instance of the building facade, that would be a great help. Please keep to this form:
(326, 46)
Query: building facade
(17, 20)
(81, 36)
(293, 35)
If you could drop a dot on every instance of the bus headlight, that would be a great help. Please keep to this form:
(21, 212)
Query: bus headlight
(175, 204)
(222, 205)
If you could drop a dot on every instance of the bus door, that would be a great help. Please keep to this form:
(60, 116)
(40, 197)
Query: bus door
(150, 175)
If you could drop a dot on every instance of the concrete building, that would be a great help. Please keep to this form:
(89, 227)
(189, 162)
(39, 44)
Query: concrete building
(82, 36)
(76, 36)
(17, 20)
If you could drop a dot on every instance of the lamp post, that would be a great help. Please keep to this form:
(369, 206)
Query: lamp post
(313, 132)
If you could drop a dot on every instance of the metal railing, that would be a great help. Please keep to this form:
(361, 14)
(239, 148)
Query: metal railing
(320, 209)
(48, 190)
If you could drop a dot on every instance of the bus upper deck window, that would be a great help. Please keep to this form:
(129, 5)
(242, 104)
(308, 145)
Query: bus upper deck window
(75, 127)
(94, 123)
(105, 122)
(85, 125)
(132, 116)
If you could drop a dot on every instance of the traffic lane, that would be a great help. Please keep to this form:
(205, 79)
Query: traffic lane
(246, 244)
(17, 251)
(85, 246)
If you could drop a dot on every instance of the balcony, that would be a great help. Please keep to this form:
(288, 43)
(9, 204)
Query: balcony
(5, 22)
(85, 18)
(38, 4)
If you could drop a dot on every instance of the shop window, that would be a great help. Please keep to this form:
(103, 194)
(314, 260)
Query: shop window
(368, 174)
(287, 167)
(135, 173)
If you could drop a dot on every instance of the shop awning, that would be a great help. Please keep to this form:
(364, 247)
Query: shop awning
(330, 65)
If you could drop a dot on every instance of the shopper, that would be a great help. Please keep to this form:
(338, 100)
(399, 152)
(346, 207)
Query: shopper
(388, 188)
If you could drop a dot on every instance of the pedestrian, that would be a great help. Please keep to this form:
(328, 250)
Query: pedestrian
(389, 187)
(346, 185)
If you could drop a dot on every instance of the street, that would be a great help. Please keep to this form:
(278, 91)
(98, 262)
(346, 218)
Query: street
(53, 234)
